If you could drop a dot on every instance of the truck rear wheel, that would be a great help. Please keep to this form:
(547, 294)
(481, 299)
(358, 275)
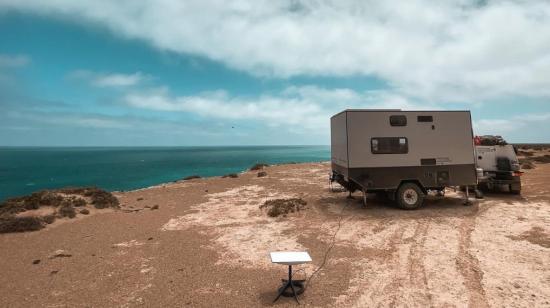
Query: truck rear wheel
(409, 196)
(515, 188)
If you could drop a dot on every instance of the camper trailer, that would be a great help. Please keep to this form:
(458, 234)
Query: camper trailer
(403, 154)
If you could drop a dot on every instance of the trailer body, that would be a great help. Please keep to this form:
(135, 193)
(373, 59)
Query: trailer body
(379, 150)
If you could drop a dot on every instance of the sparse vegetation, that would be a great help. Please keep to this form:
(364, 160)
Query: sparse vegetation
(10, 224)
(230, 175)
(525, 153)
(102, 199)
(258, 166)
(67, 210)
(84, 211)
(262, 174)
(64, 199)
(278, 207)
(545, 159)
(527, 165)
(49, 219)
(191, 177)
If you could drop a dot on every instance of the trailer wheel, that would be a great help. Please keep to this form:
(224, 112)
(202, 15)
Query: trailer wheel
(409, 196)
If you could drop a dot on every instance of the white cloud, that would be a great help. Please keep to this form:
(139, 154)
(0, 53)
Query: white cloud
(7, 61)
(512, 124)
(113, 80)
(305, 108)
(118, 80)
(444, 50)
(70, 119)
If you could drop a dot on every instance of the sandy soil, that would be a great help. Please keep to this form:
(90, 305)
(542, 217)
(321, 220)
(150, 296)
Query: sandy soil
(208, 243)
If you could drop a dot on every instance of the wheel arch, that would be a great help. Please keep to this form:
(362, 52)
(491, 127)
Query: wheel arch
(414, 181)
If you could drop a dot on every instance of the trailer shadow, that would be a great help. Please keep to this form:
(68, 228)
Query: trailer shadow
(447, 206)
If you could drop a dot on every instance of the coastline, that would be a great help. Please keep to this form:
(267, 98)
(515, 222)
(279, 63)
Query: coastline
(212, 176)
(127, 168)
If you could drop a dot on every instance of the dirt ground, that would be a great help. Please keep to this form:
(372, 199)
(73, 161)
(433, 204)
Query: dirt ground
(207, 245)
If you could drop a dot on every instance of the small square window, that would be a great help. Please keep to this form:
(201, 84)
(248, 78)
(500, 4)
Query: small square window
(425, 119)
(398, 120)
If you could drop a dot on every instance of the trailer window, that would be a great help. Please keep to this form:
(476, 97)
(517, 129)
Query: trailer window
(389, 145)
(425, 119)
(398, 120)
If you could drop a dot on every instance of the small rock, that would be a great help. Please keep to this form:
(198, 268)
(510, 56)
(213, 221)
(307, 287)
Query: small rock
(139, 199)
(84, 211)
(150, 239)
(155, 207)
(37, 261)
(206, 190)
(516, 285)
(54, 272)
(262, 174)
(60, 254)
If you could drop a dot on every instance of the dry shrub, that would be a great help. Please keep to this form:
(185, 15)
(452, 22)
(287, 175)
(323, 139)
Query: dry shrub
(258, 166)
(278, 207)
(49, 219)
(78, 202)
(84, 211)
(67, 210)
(191, 177)
(230, 175)
(542, 159)
(528, 165)
(31, 202)
(262, 174)
(103, 199)
(10, 224)
(526, 154)
(100, 199)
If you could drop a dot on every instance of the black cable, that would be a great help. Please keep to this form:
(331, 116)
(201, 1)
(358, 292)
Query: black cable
(333, 242)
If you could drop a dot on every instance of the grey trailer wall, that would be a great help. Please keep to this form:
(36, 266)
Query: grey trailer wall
(450, 142)
(440, 153)
(338, 142)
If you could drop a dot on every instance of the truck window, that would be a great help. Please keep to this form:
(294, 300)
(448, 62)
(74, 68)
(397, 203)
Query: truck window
(398, 120)
(389, 145)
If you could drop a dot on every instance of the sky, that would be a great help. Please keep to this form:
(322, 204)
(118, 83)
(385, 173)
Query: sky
(184, 73)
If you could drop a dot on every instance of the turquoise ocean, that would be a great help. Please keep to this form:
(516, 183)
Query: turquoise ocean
(27, 169)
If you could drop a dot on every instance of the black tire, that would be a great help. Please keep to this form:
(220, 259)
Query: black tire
(483, 187)
(409, 196)
(478, 194)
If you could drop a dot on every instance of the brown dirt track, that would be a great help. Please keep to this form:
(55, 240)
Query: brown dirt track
(207, 245)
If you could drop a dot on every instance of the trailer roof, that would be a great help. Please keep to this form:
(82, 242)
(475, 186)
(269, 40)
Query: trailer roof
(395, 110)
